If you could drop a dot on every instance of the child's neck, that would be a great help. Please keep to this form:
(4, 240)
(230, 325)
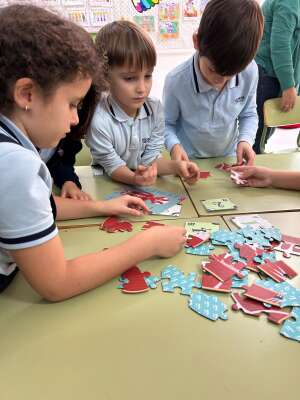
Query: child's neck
(132, 113)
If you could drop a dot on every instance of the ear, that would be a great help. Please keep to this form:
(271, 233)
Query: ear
(195, 40)
(23, 92)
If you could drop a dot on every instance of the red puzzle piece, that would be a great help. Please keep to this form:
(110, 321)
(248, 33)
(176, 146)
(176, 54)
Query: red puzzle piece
(210, 282)
(249, 252)
(255, 308)
(204, 174)
(137, 283)
(147, 196)
(263, 295)
(194, 241)
(222, 268)
(277, 270)
(150, 224)
(113, 224)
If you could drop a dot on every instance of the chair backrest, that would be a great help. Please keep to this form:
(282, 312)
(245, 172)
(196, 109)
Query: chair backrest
(273, 116)
(83, 158)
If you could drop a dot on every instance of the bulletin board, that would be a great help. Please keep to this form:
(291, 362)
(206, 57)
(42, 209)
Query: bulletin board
(170, 23)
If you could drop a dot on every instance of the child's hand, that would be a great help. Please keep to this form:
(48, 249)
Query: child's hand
(125, 205)
(178, 153)
(255, 176)
(167, 240)
(288, 99)
(145, 176)
(71, 190)
(245, 152)
(188, 170)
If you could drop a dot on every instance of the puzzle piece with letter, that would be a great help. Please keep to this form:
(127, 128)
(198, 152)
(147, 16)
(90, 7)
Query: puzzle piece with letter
(195, 227)
(178, 279)
(218, 204)
(114, 224)
(208, 306)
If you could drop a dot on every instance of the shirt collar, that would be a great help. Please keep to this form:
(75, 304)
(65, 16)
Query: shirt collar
(24, 140)
(200, 85)
(120, 115)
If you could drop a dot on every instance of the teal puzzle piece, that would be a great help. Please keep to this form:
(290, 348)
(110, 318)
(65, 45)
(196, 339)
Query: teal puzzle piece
(203, 250)
(290, 328)
(177, 279)
(290, 295)
(208, 306)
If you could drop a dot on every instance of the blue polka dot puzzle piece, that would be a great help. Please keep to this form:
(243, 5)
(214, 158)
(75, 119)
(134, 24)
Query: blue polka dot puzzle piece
(223, 237)
(203, 250)
(291, 328)
(238, 283)
(265, 256)
(208, 306)
(152, 281)
(177, 279)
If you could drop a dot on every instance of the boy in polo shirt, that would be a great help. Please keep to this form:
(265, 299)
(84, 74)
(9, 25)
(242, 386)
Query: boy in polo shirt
(210, 99)
(126, 136)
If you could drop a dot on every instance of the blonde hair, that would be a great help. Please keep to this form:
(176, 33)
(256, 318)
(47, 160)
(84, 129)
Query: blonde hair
(125, 43)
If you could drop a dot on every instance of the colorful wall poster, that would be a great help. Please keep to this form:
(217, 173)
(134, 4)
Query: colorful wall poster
(169, 10)
(78, 15)
(190, 9)
(100, 16)
(100, 3)
(73, 2)
(146, 22)
(168, 30)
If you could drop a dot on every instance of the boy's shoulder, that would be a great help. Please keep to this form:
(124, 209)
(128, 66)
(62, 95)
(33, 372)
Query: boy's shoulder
(181, 71)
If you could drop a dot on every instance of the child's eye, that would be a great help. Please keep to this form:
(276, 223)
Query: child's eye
(149, 76)
(129, 78)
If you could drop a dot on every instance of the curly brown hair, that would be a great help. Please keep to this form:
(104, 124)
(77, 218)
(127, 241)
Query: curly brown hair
(125, 43)
(38, 44)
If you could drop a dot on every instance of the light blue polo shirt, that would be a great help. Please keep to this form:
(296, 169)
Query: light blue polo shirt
(26, 218)
(208, 122)
(116, 140)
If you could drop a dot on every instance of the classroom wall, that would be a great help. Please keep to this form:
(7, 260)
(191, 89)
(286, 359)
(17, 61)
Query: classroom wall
(170, 23)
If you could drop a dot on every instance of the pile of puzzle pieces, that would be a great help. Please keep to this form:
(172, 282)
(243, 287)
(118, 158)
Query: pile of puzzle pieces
(248, 250)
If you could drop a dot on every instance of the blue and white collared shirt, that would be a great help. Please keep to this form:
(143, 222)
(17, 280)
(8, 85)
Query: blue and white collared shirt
(115, 139)
(208, 122)
(26, 218)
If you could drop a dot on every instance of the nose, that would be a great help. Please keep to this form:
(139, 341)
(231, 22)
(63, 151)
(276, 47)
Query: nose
(141, 86)
(74, 117)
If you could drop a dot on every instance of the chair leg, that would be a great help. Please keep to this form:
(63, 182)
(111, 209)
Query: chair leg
(263, 140)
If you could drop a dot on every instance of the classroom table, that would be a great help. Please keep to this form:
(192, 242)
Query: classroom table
(100, 186)
(247, 200)
(109, 345)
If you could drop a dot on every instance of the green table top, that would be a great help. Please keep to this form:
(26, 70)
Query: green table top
(247, 200)
(100, 186)
(108, 345)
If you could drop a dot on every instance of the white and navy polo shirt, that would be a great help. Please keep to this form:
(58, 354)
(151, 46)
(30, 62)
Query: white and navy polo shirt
(26, 218)
(208, 122)
(116, 140)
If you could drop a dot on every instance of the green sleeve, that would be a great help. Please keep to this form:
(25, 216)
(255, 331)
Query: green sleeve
(283, 27)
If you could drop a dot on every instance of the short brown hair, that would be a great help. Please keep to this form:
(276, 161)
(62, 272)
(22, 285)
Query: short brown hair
(124, 43)
(37, 44)
(229, 34)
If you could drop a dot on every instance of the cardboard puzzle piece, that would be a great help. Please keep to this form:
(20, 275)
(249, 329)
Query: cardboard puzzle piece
(133, 280)
(114, 224)
(290, 294)
(152, 281)
(255, 236)
(197, 239)
(150, 224)
(204, 174)
(225, 238)
(178, 279)
(203, 250)
(210, 282)
(263, 295)
(238, 283)
(255, 308)
(193, 227)
(291, 328)
(277, 270)
(218, 204)
(248, 253)
(269, 255)
(255, 221)
(236, 178)
(288, 249)
(222, 268)
(208, 306)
